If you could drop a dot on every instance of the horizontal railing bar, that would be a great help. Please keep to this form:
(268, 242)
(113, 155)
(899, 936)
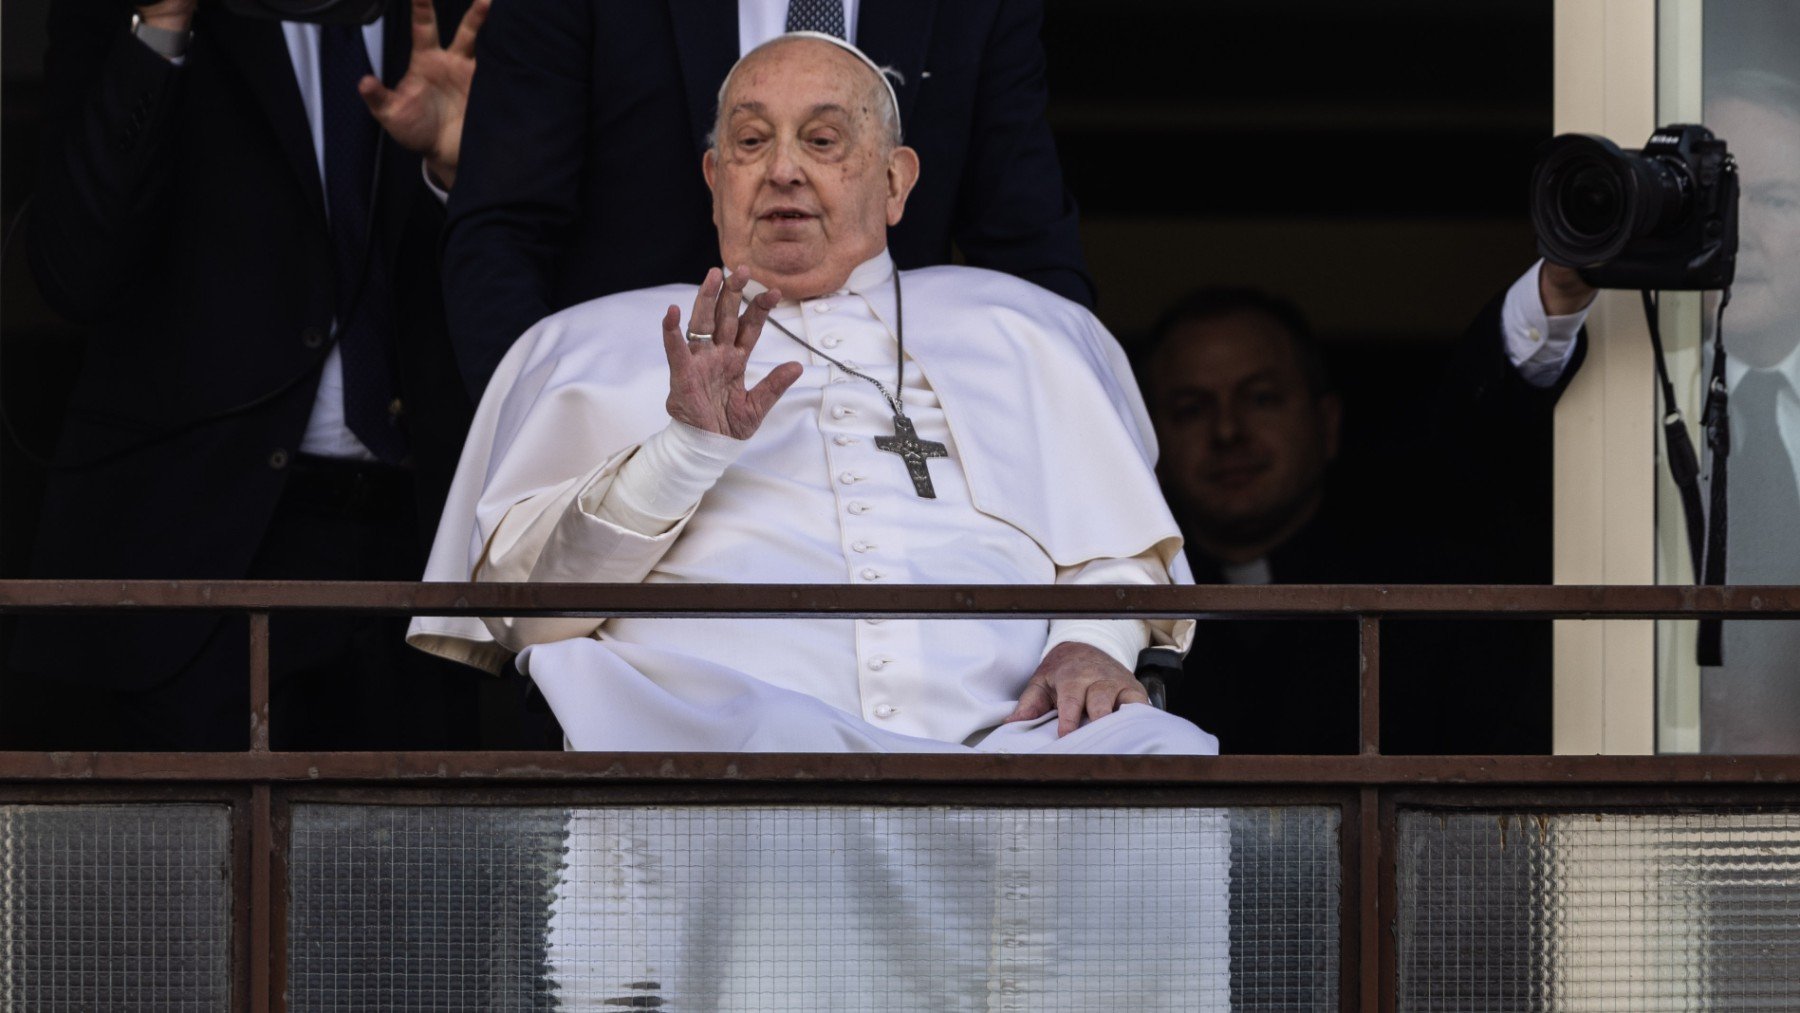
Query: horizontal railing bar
(1296, 601)
(924, 769)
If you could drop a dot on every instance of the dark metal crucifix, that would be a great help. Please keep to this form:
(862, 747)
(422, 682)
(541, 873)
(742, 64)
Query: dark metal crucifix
(914, 451)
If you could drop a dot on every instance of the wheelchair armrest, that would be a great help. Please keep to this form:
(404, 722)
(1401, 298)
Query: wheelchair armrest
(1156, 668)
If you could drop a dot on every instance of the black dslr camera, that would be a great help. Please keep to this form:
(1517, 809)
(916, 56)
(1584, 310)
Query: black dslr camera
(1661, 218)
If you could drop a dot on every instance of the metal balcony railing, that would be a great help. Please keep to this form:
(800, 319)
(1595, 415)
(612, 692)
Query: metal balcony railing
(1454, 882)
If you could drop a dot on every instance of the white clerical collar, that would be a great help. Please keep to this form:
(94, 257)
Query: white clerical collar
(1255, 571)
(866, 277)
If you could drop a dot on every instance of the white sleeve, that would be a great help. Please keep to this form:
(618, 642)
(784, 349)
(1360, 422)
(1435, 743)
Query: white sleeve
(1539, 345)
(1120, 639)
(664, 480)
(572, 533)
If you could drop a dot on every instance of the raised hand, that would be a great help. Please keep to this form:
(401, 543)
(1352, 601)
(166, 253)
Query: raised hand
(706, 374)
(424, 112)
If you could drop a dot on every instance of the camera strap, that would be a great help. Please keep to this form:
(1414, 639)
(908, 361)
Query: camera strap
(1706, 520)
(1716, 420)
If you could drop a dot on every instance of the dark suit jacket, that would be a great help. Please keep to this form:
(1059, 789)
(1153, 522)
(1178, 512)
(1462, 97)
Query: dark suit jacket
(181, 218)
(580, 171)
(1468, 502)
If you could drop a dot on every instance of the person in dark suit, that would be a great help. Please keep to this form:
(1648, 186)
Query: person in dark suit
(581, 171)
(1248, 422)
(268, 390)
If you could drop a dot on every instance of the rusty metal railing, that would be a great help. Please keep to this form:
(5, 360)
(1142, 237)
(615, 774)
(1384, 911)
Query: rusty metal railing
(261, 784)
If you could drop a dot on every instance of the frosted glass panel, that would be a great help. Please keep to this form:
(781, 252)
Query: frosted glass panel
(842, 908)
(1541, 912)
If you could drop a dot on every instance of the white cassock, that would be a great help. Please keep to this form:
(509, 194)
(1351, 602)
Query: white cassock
(1049, 478)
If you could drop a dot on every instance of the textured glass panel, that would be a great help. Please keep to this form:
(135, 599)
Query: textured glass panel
(1590, 911)
(415, 908)
(1286, 892)
(842, 908)
(115, 907)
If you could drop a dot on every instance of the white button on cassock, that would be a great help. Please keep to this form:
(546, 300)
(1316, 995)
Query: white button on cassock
(862, 546)
(842, 411)
(859, 508)
(844, 441)
(832, 342)
(878, 663)
(849, 477)
(870, 573)
(883, 710)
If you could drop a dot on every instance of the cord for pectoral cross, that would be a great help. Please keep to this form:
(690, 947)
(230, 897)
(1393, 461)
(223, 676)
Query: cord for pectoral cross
(905, 442)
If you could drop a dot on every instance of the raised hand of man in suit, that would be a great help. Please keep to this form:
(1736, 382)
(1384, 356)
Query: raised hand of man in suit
(424, 111)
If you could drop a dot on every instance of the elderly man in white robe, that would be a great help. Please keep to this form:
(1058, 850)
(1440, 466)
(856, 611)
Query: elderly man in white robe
(821, 417)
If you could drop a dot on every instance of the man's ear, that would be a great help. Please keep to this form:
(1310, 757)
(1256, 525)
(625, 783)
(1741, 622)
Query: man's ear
(902, 174)
(709, 167)
(1331, 420)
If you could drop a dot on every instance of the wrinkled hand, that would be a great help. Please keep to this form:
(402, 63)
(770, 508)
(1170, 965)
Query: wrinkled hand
(1563, 290)
(424, 112)
(706, 378)
(1077, 680)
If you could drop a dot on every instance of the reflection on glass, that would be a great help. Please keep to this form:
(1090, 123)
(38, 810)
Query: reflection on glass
(1752, 99)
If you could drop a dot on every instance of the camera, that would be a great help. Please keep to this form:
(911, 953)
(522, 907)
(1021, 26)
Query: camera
(1662, 218)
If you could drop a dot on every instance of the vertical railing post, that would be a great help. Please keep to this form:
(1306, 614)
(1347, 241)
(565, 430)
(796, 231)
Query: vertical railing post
(262, 830)
(1370, 856)
(262, 848)
(1368, 668)
(1368, 874)
(259, 682)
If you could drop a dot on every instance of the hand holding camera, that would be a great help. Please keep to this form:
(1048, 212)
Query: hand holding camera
(1563, 290)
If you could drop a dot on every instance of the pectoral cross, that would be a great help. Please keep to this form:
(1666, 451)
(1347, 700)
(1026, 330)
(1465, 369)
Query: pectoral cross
(914, 451)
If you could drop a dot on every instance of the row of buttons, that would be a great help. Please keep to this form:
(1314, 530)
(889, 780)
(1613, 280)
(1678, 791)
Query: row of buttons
(880, 711)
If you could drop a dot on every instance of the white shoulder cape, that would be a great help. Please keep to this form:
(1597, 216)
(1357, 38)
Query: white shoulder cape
(1046, 419)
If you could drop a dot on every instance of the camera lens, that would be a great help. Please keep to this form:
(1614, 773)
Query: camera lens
(1591, 200)
(1584, 199)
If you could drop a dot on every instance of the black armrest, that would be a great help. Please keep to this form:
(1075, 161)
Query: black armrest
(1156, 668)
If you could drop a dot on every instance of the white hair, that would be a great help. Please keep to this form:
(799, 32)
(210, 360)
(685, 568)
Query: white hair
(888, 113)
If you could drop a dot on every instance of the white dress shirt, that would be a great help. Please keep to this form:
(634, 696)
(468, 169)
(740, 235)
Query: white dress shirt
(327, 432)
(1539, 345)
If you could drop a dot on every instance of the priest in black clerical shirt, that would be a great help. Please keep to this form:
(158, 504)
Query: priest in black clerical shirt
(1248, 423)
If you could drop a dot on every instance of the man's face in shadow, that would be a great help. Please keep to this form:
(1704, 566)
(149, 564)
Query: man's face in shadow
(1245, 437)
(1762, 324)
